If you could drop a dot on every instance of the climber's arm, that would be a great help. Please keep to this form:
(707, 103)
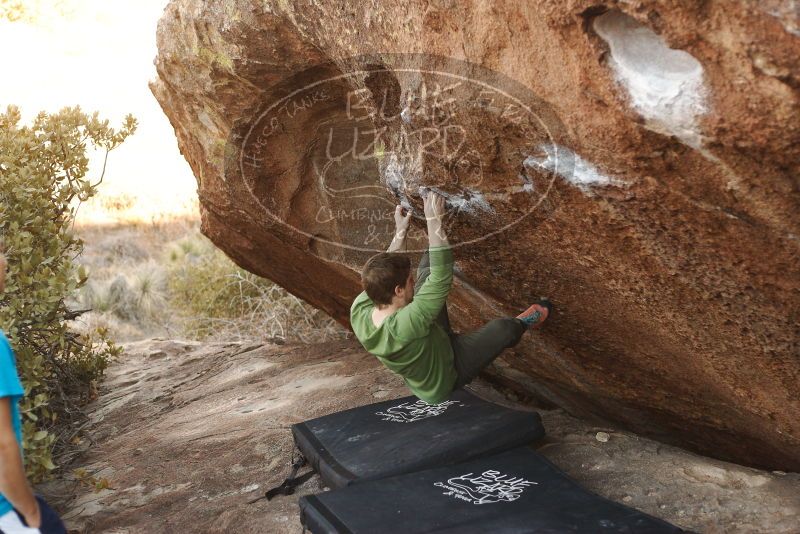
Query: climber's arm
(13, 483)
(401, 221)
(415, 319)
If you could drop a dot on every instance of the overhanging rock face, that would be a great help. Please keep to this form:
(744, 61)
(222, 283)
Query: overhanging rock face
(637, 163)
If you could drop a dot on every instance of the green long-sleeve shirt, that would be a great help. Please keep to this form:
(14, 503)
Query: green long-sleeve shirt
(409, 341)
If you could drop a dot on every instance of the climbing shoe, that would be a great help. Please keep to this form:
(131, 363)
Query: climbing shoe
(534, 316)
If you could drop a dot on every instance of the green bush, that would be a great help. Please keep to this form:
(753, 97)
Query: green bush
(42, 182)
(136, 297)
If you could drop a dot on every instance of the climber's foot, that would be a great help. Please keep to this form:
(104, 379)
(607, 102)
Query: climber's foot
(534, 316)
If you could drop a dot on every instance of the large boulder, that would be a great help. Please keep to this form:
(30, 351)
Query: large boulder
(634, 161)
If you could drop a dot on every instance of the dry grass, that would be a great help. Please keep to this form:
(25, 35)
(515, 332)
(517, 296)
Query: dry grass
(164, 279)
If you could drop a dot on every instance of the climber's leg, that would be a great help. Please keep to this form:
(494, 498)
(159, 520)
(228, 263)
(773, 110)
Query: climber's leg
(474, 351)
(423, 271)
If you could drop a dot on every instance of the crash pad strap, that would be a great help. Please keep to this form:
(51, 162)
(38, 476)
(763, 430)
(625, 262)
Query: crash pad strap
(292, 481)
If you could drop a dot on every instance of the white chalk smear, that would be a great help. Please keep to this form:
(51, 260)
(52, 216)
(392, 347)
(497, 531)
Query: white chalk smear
(406, 115)
(786, 11)
(469, 200)
(394, 176)
(665, 85)
(571, 167)
(527, 183)
(400, 176)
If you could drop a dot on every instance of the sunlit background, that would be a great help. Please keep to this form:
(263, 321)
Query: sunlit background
(99, 55)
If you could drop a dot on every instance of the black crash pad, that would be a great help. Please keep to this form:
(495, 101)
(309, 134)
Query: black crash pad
(406, 435)
(516, 491)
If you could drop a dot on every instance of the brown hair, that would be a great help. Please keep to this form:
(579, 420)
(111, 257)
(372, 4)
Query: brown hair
(382, 273)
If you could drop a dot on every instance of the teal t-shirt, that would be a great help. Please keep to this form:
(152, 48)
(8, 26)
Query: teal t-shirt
(10, 386)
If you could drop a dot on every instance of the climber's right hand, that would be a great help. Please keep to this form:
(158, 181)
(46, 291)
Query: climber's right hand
(434, 205)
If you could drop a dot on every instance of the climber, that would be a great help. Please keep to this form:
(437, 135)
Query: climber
(20, 510)
(406, 326)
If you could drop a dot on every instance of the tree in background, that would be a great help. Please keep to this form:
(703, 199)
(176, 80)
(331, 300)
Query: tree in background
(43, 180)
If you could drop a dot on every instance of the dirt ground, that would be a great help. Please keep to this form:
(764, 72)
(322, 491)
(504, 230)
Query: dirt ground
(187, 433)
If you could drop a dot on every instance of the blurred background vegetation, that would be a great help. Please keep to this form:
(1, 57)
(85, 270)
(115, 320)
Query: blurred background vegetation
(163, 278)
(100, 258)
(43, 180)
(77, 290)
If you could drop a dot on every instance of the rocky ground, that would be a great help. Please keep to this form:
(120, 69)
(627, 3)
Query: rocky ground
(635, 161)
(187, 433)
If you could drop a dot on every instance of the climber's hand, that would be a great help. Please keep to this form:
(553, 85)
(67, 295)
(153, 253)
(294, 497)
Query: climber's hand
(434, 206)
(401, 221)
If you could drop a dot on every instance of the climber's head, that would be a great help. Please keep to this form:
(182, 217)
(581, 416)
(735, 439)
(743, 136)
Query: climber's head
(388, 280)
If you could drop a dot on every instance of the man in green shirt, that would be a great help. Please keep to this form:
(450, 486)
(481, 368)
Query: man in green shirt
(405, 325)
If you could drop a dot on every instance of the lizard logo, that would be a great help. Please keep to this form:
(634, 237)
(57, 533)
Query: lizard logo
(409, 412)
(486, 488)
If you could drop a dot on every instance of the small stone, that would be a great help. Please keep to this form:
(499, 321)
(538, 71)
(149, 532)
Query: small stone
(781, 473)
(627, 498)
(602, 437)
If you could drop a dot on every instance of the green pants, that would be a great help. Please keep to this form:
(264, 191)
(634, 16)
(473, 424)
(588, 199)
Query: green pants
(474, 351)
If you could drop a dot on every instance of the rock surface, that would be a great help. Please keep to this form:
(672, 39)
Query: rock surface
(187, 433)
(652, 194)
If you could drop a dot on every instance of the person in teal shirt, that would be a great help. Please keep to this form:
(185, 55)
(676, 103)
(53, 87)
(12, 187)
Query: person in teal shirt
(21, 512)
(405, 325)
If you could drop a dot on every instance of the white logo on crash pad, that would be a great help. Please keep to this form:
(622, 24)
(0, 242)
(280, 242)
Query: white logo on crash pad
(408, 412)
(486, 488)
